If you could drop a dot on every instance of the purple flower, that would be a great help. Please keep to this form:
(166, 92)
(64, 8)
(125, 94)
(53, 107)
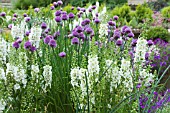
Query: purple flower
(58, 19)
(111, 23)
(52, 7)
(157, 57)
(37, 10)
(27, 45)
(138, 86)
(96, 20)
(78, 8)
(116, 34)
(87, 21)
(43, 25)
(14, 19)
(93, 7)
(123, 29)
(15, 45)
(131, 54)
(119, 42)
(128, 30)
(52, 43)
(150, 42)
(64, 17)
(130, 35)
(27, 19)
(83, 9)
(56, 34)
(25, 15)
(55, 4)
(47, 39)
(75, 40)
(10, 26)
(46, 31)
(62, 54)
(90, 10)
(146, 55)
(89, 30)
(79, 29)
(116, 17)
(15, 15)
(82, 36)
(72, 8)
(75, 33)
(71, 15)
(58, 13)
(59, 3)
(19, 40)
(162, 64)
(27, 33)
(134, 42)
(3, 14)
(32, 48)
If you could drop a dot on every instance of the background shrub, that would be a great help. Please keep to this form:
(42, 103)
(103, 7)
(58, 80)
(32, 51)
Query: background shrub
(157, 32)
(158, 5)
(166, 12)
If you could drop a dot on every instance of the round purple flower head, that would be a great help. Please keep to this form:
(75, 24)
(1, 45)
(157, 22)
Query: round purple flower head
(131, 35)
(96, 20)
(52, 43)
(25, 15)
(78, 8)
(14, 19)
(87, 21)
(15, 45)
(27, 45)
(15, 15)
(79, 29)
(27, 19)
(128, 30)
(52, 7)
(71, 15)
(150, 42)
(58, 13)
(119, 42)
(10, 26)
(47, 39)
(27, 33)
(64, 17)
(111, 23)
(19, 40)
(59, 3)
(123, 29)
(116, 34)
(56, 34)
(43, 25)
(55, 4)
(83, 9)
(134, 42)
(37, 10)
(3, 14)
(33, 48)
(89, 30)
(94, 7)
(58, 19)
(62, 54)
(75, 40)
(90, 10)
(116, 17)
(75, 33)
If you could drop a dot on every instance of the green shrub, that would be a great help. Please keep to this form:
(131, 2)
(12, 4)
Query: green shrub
(158, 4)
(166, 12)
(68, 9)
(143, 12)
(157, 32)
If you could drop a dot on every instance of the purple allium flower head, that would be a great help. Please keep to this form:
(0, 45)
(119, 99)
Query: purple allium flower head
(52, 43)
(56, 34)
(46, 31)
(138, 86)
(90, 10)
(75, 33)
(131, 54)
(83, 9)
(27, 33)
(111, 23)
(37, 10)
(43, 25)
(78, 8)
(64, 17)
(14, 19)
(25, 15)
(27, 45)
(97, 14)
(87, 21)
(72, 8)
(15, 15)
(79, 29)
(131, 35)
(15, 45)
(82, 36)
(89, 30)
(58, 13)
(128, 30)
(33, 48)
(55, 4)
(58, 19)
(162, 64)
(157, 57)
(119, 42)
(47, 39)
(116, 34)
(71, 15)
(116, 17)
(75, 40)
(134, 42)
(27, 19)
(59, 3)
(52, 7)
(146, 55)
(10, 26)
(96, 20)
(93, 7)
(3, 14)
(150, 42)
(64, 12)
(62, 54)
(123, 29)
(19, 40)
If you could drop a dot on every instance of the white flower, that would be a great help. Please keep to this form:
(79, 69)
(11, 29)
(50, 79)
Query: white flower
(47, 73)
(2, 105)
(16, 87)
(2, 74)
(93, 65)
(103, 30)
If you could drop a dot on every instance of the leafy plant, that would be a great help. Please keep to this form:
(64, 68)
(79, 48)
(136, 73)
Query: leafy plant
(166, 12)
